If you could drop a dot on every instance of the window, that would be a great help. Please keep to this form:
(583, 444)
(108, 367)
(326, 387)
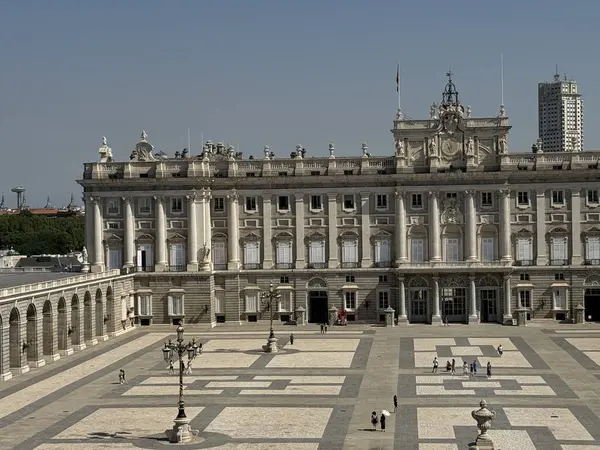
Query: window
(451, 195)
(488, 249)
(349, 202)
(284, 280)
(592, 196)
(525, 299)
(144, 308)
(523, 198)
(113, 207)
(144, 225)
(219, 254)
(558, 250)
(284, 254)
(316, 203)
(220, 302)
(487, 199)
(382, 220)
(559, 299)
(416, 201)
(524, 277)
(177, 260)
(382, 201)
(218, 204)
(383, 300)
(145, 205)
(452, 249)
(417, 250)
(145, 256)
(559, 277)
(592, 249)
(283, 203)
(383, 278)
(350, 300)
(382, 251)
(250, 204)
(524, 249)
(350, 279)
(316, 252)
(176, 205)
(285, 302)
(350, 252)
(176, 305)
(252, 255)
(558, 198)
(252, 302)
(176, 224)
(113, 225)
(114, 258)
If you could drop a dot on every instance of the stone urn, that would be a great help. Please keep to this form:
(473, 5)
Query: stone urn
(484, 417)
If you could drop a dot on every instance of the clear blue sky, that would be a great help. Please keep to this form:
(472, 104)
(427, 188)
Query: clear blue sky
(266, 72)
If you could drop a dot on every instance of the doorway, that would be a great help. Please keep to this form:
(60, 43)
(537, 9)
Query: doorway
(591, 300)
(453, 305)
(418, 306)
(488, 309)
(317, 307)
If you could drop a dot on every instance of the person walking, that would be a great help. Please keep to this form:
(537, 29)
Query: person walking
(291, 338)
(171, 368)
(465, 369)
(382, 421)
(374, 420)
(453, 367)
(188, 368)
(325, 328)
(395, 403)
(489, 370)
(322, 328)
(436, 363)
(122, 379)
(474, 367)
(500, 350)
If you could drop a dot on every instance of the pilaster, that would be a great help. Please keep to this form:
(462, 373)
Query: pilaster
(576, 258)
(91, 339)
(473, 317)
(23, 367)
(401, 301)
(51, 336)
(434, 227)
(365, 229)
(540, 227)
(89, 228)
(267, 232)
(78, 336)
(233, 243)
(471, 226)
(129, 248)
(401, 254)
(63, 334)
(300, 248)
(332, 230)
(5, 373)
(160, 264)
(98, 264)
(505, 224)
(35, 358)
(507, 318)
(436, 317)
(207, 228)
(192, 232)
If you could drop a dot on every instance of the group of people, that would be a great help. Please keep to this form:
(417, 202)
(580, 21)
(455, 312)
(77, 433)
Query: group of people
(380, 420)
(469, 370)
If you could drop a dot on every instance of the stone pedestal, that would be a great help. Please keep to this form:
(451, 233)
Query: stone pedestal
(79, 347)
(5, 376)
(69, 351)
(91, 342)
(54, 357)
(389, 317)
(192, 267)
(86, 267)
(300, 315)
(271, 345)
(204, 266)
(181, 432)
(333, 314)
(521, 317)
(36, 363)
(579, 313)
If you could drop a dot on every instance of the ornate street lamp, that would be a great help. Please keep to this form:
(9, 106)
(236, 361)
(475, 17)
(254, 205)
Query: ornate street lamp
(269, 297)
(181, 431)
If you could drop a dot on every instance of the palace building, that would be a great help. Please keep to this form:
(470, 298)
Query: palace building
(449, 224)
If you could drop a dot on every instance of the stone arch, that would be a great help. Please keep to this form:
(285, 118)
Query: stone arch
(316, 283)
(99, 310)
(110, 310)
(88, 324)
(592, 280)
(452, 229)
(15, 343)
(418, 282)
(75, 321)
(488, 280)
(454, 282)
(31, 333)
(48, 329)
(62, 325)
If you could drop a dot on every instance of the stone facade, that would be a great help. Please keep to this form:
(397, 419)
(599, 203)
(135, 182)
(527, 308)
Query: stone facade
(450, 226)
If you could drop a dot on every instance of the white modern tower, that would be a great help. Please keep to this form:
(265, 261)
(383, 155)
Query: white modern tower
(560, 117)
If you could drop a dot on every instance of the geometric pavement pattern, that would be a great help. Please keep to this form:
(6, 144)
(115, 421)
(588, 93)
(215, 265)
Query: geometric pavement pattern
(306, 396)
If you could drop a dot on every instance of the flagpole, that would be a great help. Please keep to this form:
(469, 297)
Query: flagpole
(398, 85)
(502, 79)
(189, 142)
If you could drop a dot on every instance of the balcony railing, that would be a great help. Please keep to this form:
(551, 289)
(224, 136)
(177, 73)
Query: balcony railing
(559, 262)
(144, 269)
(220, 266)
(592, 262)
(524, 262)
(316, 265)
(177, 268)
(251, 266)
(382, 264)
(284, 265)
(349, 265)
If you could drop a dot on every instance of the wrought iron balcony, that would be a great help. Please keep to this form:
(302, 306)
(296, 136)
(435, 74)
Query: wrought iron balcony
(177, 268)
(525, 262)
(284, 265)
(592, 262)
(349, 265)
(220, 266)
(382, 264)
(559, 262)
(316, 265)
(251, 266)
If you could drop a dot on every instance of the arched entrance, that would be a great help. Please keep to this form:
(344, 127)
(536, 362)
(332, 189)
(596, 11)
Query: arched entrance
(15, 344)
(48, 331)
(317, 301)
(88, 328)
(75, 322)
(62, 328)
(31, 339)
(453, 295)
(591, 298)
(99, 314)
(110, 310)
(418, 290)
(488, 288)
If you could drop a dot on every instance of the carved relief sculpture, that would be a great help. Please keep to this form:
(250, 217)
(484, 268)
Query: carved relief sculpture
(451, 213)
(432, 147)
(105, 151)
(471, 147)
(502, 145)
(400, 148)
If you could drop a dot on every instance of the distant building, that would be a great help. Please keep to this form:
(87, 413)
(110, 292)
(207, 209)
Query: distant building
(560, 117)
(50, 263)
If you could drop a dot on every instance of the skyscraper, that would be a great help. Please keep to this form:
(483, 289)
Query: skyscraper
(560, 117)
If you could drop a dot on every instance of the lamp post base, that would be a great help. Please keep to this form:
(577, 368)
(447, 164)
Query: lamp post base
(181, 431)
(271, 345)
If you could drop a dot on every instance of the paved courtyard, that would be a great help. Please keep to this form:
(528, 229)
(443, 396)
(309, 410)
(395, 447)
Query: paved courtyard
(317, 393)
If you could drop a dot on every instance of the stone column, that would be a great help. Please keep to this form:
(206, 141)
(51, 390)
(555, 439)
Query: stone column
(94, 339)
(65, 334)
(79, 328)
(332, 229)
(436, 318)
(98, 264)
(160, 264)
(5, 373)
(52, 335)
(89, 228)
(233, 251)
(365, 229)
(129, 248)
(505, 224)
(540, 227)
(402, 301)
(576, 258)
(207, 229)
(507, 318)
(267, 233)
(473, 317)
(35, 358)
(401, 254)
(192, 232)
(23, 366)
(471, 226)
(300, 248)
(434, 227)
